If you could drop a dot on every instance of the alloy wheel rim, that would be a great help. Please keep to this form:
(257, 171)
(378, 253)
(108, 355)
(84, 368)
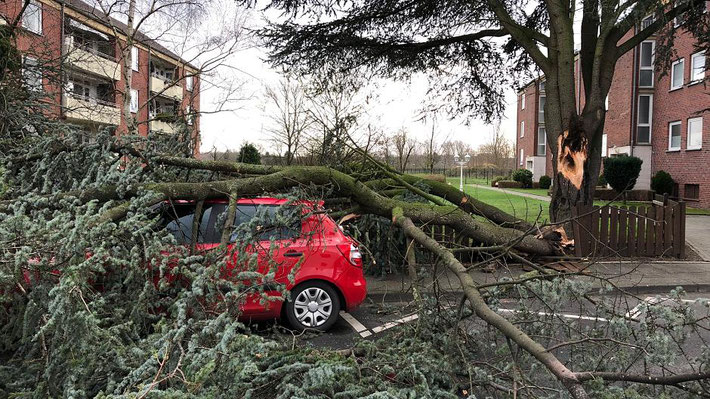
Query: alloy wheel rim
(313, 307)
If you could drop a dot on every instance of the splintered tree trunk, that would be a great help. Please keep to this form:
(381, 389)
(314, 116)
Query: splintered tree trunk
(576, 165)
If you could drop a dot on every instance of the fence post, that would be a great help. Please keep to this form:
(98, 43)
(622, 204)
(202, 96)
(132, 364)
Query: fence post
(681, 221)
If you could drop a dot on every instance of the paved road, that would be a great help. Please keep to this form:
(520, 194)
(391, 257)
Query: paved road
(697, 234)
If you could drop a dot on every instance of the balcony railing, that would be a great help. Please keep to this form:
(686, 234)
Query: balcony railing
(89, 109)
(169, 89)
(90, 60)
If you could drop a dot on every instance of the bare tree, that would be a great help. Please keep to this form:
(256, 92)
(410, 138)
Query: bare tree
(290, 116)
(404, 146)
(335, 107)
(431, 150)
(498, 149)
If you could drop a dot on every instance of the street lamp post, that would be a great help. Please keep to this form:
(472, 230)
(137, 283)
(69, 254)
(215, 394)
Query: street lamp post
(461, 162)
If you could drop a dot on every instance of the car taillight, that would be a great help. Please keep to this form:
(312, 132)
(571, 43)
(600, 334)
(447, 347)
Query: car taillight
(355, 255)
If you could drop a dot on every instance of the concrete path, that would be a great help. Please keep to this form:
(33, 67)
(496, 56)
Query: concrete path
(697, 234)
(513, 192)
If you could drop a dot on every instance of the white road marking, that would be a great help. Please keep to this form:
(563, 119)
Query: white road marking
(395, 323)
(567, 316)
(655, 300)
(355, 324)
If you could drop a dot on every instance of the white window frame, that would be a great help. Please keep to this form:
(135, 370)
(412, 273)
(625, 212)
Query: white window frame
(541, 132)
(134, 58)
(134, 101)
(33, 72)
(648, 67)
(604, 144)
(522, 101)
(541, 108)
(190, 85)
(649, 124)
(606, 103)
(678, 64)
(670, 136)
(522, 129)
(691, 122)
(645, 22)
(522, 156)
(697, 74)
(33, 10)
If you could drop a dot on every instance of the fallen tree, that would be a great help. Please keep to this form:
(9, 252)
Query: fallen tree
(439, 205)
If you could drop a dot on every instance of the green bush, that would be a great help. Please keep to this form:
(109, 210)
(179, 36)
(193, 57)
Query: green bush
(496, 179)
(524, 177)
(662, 183)
(602, 181)
(545, 182)
(621, 172)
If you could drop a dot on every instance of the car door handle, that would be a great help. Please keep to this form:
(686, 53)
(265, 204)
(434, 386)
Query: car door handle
(293, 254)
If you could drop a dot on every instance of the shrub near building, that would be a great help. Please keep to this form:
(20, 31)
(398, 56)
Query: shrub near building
(524, 177)
(662, 183)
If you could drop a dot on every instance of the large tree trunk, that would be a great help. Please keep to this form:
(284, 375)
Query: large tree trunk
(576, 164)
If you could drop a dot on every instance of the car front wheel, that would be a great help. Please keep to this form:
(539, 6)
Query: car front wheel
(314, 305)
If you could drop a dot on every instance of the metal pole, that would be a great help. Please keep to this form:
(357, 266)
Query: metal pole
(461, 177)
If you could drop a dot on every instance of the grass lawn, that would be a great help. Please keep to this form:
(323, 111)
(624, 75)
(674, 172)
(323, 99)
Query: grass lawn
(524, 208)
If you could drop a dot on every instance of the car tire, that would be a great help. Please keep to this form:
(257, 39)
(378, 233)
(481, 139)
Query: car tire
(314, 305)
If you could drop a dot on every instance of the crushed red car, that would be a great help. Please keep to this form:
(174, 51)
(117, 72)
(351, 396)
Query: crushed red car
(328, 275)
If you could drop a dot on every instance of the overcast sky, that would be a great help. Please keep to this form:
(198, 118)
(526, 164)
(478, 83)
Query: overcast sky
(397, 106)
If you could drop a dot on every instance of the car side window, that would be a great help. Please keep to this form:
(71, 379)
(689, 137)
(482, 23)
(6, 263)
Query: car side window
(178, 220)
(212, 223)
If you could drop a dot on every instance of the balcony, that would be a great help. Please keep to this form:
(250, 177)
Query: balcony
(85, 109)
(89, 60)
(161, 126)
(166, 89)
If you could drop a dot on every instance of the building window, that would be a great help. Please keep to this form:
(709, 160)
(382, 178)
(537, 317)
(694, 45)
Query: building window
(190, 84)
(646, 22)
(692, 191)
(522, 101)
(529, 165)
(645, 111)
(604, 144)
(522, 156)
(697, 67)
(541, 141)
(674, 136)
(134, 100)
(134, 58)
(32, 18)
(646, 63)
(677, 74)
(542, 86)
(522, 129)
(541, 110)
(695, 134)
(32, 74)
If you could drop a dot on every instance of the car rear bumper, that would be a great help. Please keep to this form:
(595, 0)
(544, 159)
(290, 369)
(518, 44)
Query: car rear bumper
(353, 286)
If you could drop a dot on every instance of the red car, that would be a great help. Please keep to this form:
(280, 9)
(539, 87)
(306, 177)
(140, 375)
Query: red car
(329, 278)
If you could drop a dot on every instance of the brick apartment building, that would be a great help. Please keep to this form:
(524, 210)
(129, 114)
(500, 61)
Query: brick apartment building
(71, 52)
(660, 119)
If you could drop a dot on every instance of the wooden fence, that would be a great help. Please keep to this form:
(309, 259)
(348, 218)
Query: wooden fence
(654, 230)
